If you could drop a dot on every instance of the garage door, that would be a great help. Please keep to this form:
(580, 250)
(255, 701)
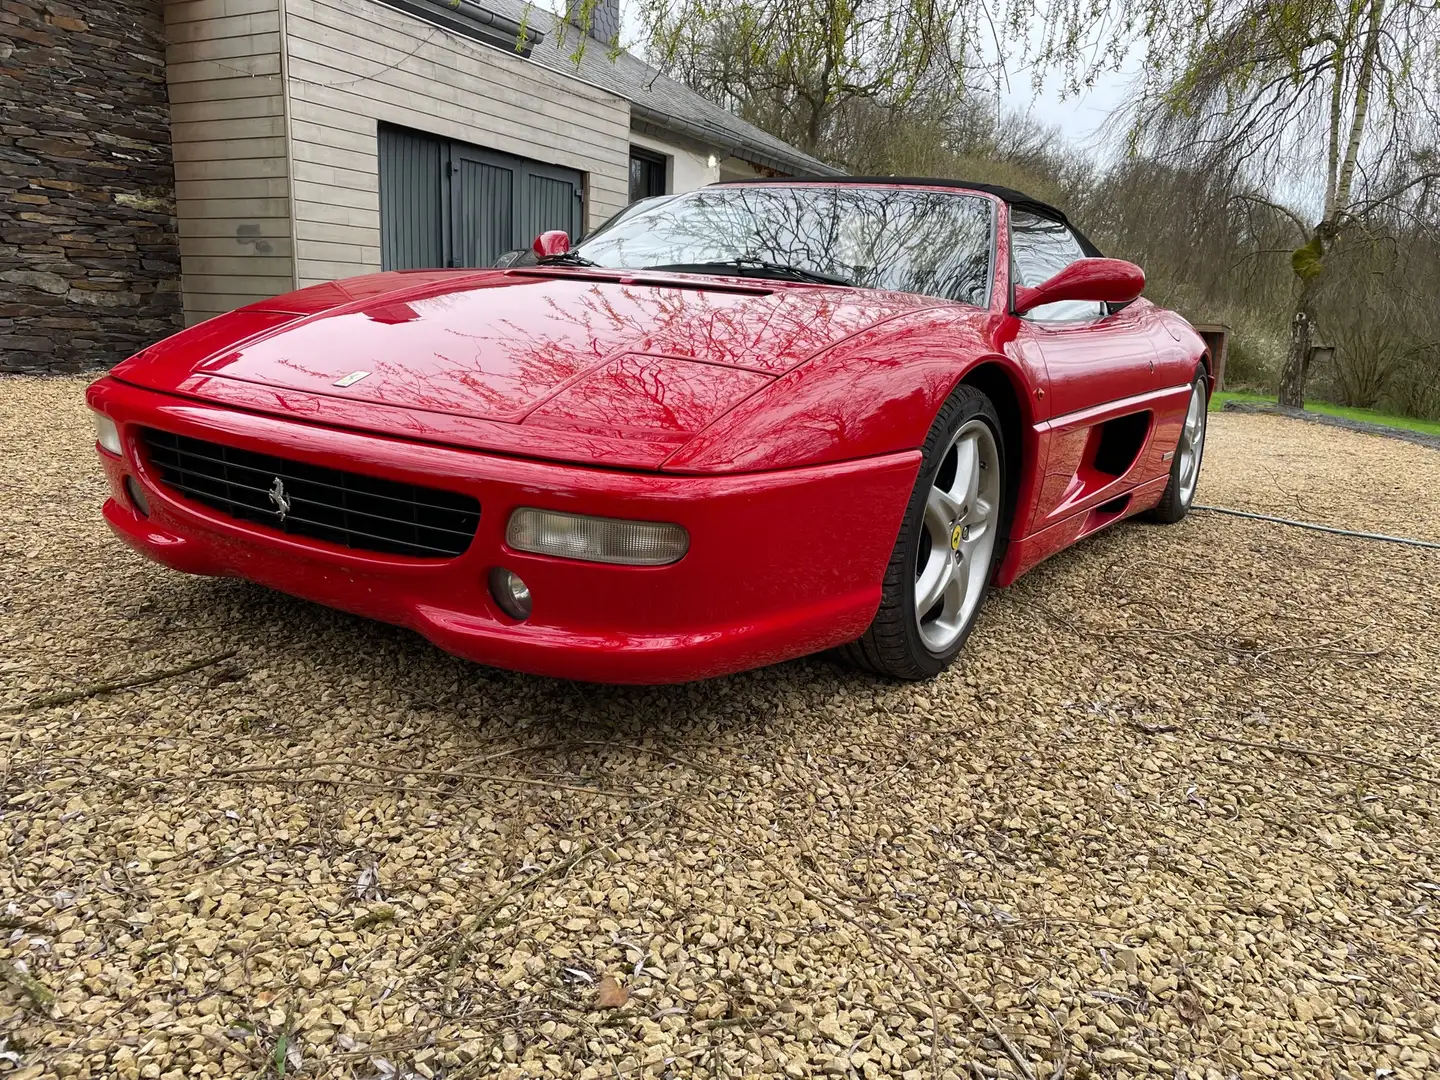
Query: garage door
(446, 203)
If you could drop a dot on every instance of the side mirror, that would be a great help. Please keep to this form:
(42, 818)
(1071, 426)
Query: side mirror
(1107, 281)
(552, 243)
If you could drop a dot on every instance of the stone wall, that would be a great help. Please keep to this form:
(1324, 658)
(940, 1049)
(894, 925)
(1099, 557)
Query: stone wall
(89, 262)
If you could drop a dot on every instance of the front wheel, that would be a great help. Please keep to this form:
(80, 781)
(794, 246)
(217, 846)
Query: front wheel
(1185, 466)
(939, 573)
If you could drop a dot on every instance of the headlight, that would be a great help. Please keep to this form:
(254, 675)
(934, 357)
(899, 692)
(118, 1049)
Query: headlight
(606, 540)
(107, 434)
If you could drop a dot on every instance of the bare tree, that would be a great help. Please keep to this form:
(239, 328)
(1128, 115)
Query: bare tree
(792, 66)
(1335, 102)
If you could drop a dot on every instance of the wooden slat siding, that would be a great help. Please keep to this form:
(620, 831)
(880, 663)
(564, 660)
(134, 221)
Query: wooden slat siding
(320, 134)
(325, 233)
(383, 26)
(345, 108)
(250, 46)
(230, 292)
(371, 59)
(330, 117)
(239, 209)
(446, 85)
(236, 67)
(232, 188)
(224, 244)
(329, 194)
(215, 147)
(201, 112)
(341, 217)
(194, 10)
(240, 127)
(261, 266)
(255, 187)
(349, 160)
(354, 64)
(219, 223)
(328, 174)
(327, 270)
(230, 170)
(236, 89)
(355, 254)
(228, 228)
(412, 101)
(260, 22)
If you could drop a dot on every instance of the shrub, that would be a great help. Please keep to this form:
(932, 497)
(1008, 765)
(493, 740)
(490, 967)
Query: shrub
(1247, 365)
(1415, 388)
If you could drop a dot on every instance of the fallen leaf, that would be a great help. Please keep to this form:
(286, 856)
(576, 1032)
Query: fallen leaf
(367, 883)
(612, 994)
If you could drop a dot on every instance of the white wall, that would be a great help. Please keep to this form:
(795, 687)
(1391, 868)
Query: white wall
(688, 168)
(732, 168)
(353, 63)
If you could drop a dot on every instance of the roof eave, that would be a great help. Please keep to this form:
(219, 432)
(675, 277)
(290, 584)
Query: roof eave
(474, 21)
(733, 147)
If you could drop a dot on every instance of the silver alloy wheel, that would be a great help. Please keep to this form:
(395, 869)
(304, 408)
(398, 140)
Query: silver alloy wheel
(962, 518)
(1192, 444)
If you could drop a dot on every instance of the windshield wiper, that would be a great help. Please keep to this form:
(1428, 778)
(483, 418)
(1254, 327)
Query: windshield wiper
(748, 266)
(570, 258)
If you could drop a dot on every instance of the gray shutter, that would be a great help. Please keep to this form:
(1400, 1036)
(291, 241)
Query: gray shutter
(412, 200)
(484, 210)
(551, 202)
(445, 203)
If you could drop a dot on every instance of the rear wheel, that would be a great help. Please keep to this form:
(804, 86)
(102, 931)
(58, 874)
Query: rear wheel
(1185, 466)
(939, 573)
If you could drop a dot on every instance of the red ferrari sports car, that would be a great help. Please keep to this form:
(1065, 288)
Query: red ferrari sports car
(745, 424)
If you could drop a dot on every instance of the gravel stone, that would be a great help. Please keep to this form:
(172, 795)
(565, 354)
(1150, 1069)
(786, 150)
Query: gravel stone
(1172, 814)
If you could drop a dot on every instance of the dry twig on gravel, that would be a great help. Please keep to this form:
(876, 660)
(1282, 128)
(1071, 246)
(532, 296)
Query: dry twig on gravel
(69, 697)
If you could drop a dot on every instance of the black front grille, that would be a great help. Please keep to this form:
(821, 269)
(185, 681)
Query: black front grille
(350, 509)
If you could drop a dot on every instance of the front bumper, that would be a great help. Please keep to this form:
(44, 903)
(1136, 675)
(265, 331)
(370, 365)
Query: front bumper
(781, 564)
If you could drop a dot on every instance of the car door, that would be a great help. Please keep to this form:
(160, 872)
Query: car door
(1100, 364)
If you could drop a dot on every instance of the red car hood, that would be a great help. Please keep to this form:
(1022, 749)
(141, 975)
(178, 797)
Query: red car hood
(575, 365)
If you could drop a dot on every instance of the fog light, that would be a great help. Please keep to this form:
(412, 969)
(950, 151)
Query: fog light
(137, 497)
(512, 594)
(107, 434)
(594, 539)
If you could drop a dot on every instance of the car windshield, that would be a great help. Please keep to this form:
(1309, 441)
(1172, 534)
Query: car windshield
(910, 240)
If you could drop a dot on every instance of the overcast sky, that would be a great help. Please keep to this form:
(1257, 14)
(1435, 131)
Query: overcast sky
(1079, 117)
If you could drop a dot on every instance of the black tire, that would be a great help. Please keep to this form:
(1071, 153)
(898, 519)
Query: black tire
(1174, 505)
(892, 645)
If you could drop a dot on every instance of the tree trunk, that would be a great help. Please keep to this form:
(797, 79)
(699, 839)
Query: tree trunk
(1297, 360)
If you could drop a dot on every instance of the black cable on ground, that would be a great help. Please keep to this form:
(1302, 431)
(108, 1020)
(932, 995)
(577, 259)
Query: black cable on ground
(1320, 528)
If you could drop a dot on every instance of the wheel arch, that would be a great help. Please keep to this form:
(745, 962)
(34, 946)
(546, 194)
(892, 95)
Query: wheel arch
(1207, 365)
(1006, 392)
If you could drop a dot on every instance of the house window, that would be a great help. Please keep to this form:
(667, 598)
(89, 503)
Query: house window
(647, 174)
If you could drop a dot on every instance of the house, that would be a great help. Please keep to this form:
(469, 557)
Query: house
(311, 140)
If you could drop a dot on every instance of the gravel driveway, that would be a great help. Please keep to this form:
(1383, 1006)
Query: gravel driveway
(1173, 814)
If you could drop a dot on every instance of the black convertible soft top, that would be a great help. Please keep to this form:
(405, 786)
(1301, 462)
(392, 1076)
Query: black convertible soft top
(1004, 194)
